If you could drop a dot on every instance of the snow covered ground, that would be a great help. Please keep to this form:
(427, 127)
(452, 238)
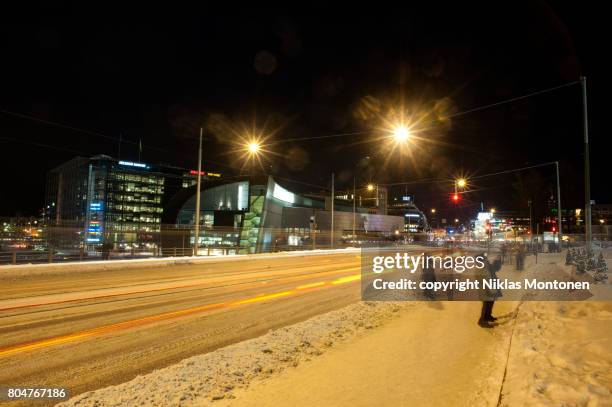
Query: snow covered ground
(561, 355)
(419, 354)
(203, 379)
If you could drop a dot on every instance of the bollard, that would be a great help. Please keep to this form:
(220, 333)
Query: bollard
(14, 257)
(50, 256)
(81, 254)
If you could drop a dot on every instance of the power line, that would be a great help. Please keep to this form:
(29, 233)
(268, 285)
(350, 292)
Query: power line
(77, 129)
(34, 143)
(65, 126)
(355, 133)
(514, 99)
(475, 109)
(444, 180)
(514, 170)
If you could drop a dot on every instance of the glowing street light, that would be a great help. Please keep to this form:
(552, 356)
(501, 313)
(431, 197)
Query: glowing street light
(370, 187)
(433, 210)
(253, 147)
(461, 182)
(401, 134)
(492, 211)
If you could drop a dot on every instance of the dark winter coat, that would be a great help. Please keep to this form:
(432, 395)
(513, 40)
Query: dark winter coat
(489, 271)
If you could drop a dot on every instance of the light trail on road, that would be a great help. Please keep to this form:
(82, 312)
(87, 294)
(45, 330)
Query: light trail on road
(18, 348)
(149, 290)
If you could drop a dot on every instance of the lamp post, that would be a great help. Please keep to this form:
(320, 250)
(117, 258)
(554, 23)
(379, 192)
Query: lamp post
(196, 243)
(530, 222)
(587, 178)
(433, 215)
(559, 216)
(332, 212)
(354, 207)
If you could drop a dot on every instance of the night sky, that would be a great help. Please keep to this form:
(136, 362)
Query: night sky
(308, 73)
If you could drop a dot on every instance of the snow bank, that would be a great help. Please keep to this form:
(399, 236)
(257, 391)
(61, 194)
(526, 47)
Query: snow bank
(561, 351)
(560, 355)
(202, 379)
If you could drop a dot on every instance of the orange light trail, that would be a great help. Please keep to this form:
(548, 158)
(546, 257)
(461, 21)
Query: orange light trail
(143, 291)
(58, 340)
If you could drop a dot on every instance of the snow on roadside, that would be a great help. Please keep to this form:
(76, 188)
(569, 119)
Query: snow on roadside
(561, 351)
(561, 355)
(204, 378)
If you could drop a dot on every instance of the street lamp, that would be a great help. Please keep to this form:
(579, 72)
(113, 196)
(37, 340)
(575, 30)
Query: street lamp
(252, 150)
(461, 182)
(401, 134)
(253, 147)
(492, 211)
(433, 210)
(370, 187)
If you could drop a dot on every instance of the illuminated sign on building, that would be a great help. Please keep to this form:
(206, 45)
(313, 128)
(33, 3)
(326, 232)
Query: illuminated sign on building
(95, 206)
(133, 164)
(94, 231)
(210, 174)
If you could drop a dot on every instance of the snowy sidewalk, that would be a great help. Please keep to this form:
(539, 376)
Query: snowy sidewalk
(435, 355)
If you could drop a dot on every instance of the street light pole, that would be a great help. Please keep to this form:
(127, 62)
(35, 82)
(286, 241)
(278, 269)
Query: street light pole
(354, 207)
(196, 243)
(559, 216)
(587, 177)
(530, 223)
(332, 213)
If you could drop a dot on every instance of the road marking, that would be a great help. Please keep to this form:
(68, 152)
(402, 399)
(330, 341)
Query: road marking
(58, 340)
(348, 279)
(311, 285)
(152, 290)
(262, 298)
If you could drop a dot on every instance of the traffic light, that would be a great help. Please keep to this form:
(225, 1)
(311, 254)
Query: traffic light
(455, 198)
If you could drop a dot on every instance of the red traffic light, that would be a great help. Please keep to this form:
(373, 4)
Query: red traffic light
(455, 198)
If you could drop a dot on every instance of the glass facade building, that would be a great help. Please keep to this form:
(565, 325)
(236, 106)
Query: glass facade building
(256, 215)
(98, 200)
